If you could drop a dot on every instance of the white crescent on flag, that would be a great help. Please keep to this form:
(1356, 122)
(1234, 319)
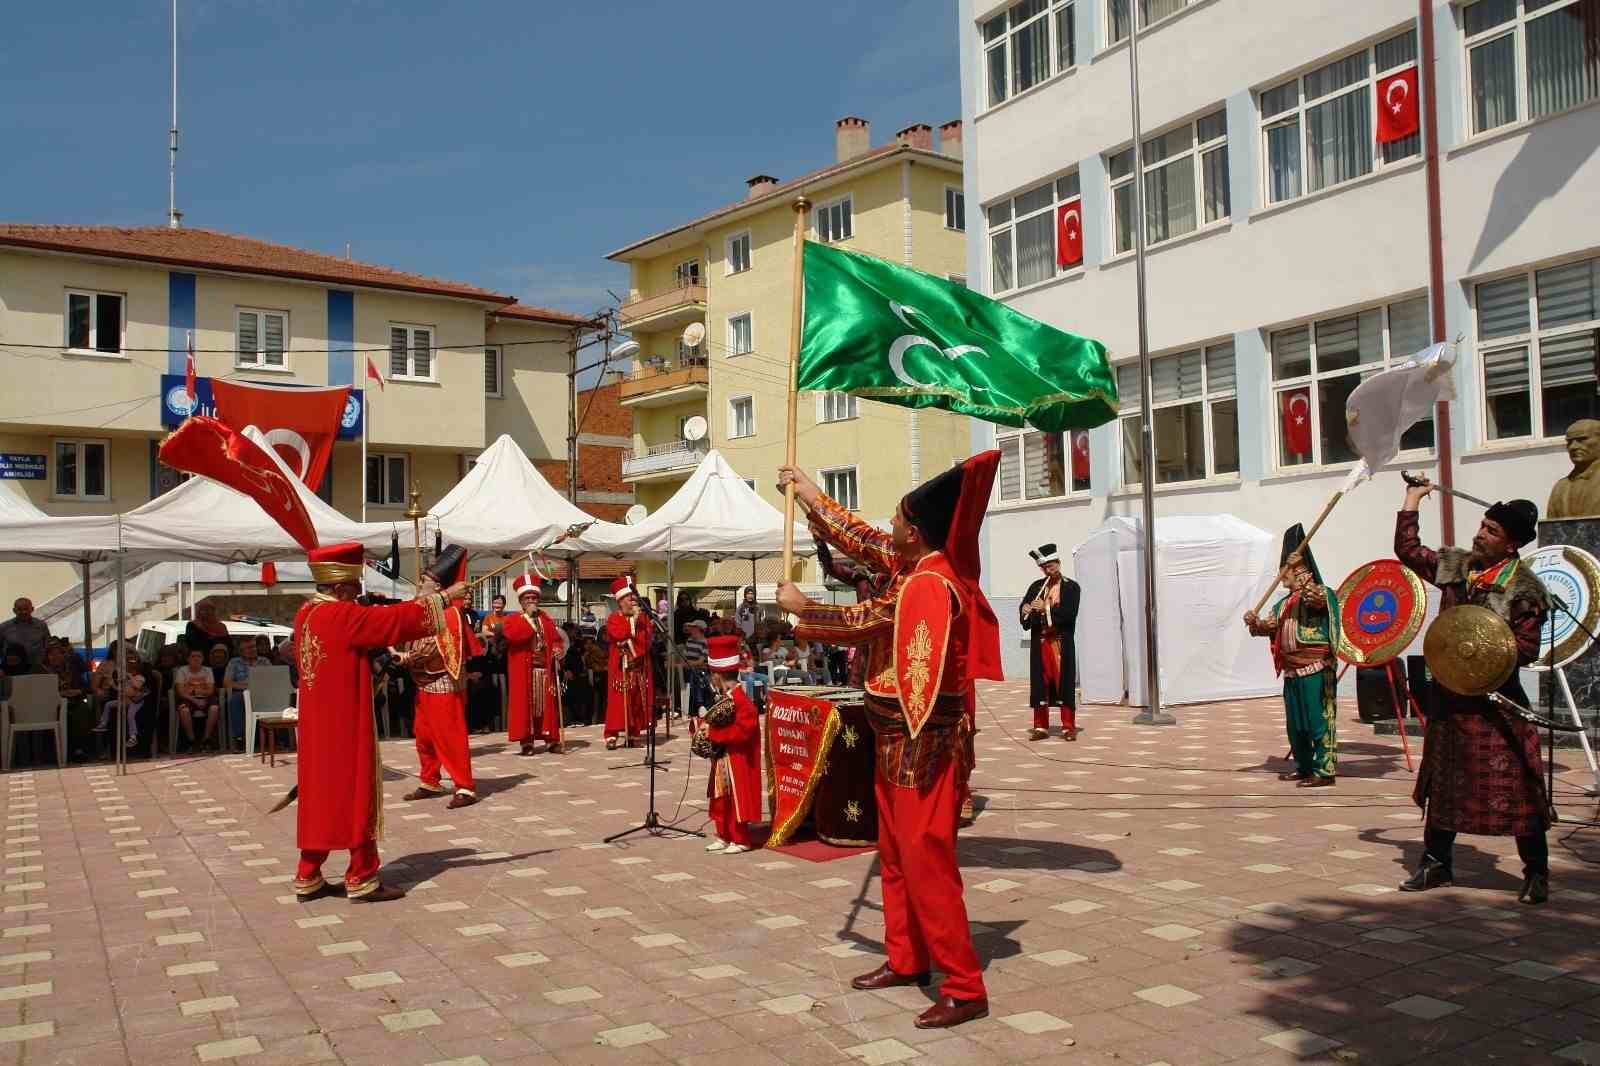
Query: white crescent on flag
(1305, 406)
(1388, 94)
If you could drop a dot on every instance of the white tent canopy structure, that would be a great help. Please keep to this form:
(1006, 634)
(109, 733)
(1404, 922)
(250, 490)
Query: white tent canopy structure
(503, 505)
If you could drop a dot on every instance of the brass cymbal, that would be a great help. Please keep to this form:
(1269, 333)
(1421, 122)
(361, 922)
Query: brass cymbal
(1471, 651)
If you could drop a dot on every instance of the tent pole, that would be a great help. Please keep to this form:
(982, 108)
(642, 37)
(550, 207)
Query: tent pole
(119, 673)
(88, 620)
(672, 640)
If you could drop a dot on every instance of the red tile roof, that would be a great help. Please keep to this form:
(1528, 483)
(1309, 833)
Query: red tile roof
(540, 314)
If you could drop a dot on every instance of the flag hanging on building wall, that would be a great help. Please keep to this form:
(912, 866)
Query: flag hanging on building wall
(1069, 233)
(1296, 421)
(1080, 455)
(876, 329)
(300, 424)
(1398, 114)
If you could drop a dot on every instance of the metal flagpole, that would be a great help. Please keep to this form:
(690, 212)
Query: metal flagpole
(1152, 713)
(366, 393)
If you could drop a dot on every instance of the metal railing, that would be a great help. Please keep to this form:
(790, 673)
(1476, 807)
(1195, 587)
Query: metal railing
(658, 458)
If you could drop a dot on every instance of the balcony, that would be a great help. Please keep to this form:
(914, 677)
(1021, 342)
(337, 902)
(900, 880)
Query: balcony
(670, 310)
(659, 462)
(659, 382)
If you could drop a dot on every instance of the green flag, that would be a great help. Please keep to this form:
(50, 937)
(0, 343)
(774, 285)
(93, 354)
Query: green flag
(904, 337)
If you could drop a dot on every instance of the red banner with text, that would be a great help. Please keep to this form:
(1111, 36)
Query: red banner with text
(799, 732)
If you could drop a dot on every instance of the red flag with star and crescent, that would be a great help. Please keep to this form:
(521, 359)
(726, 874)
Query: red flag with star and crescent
(1398, 114)
(1080, 455)
(205, 446)
(1296, 408)
(1069, 233)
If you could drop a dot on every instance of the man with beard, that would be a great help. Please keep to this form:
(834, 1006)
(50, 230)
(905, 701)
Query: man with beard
(533, 681)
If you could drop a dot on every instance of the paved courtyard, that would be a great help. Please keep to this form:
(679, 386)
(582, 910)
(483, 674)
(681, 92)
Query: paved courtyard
(1143, 896)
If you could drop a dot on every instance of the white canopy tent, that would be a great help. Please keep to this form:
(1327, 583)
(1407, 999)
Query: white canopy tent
(503, 506)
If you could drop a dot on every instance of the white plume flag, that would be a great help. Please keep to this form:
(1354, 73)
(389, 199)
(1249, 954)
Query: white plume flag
(1388, 403)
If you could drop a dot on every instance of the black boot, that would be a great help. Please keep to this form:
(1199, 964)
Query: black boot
(1535, 889)
(1431, 874)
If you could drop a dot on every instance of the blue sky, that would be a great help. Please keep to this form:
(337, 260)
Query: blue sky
(509, 144)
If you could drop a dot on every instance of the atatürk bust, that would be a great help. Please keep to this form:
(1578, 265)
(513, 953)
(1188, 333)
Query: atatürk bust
(1578, 494)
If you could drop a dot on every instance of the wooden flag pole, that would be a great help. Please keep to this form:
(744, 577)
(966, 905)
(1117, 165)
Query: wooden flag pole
(1335, 498)
(796, 327)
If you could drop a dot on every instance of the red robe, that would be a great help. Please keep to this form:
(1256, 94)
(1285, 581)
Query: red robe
(737, 773)
(438, 666)
(630, 691)
(533, 679)
(337, 768)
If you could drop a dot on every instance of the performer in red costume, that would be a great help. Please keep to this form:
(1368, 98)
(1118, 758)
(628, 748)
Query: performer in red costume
(732, 725)
(534, 647)
(341, 802)
(436, 664)
(928, 638)
(630, 693)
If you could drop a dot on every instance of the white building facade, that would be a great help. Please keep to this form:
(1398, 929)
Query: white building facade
(1288, 251)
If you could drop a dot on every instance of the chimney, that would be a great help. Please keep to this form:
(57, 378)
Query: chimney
(919, 135)
(950, 139)
(852, 136)
(760, 185)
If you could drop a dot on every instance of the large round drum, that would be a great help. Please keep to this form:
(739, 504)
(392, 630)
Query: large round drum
(1574, 575)
(845, 807)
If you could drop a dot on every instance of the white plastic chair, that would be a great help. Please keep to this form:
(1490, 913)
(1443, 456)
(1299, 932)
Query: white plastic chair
(35, 705)
(267, 695)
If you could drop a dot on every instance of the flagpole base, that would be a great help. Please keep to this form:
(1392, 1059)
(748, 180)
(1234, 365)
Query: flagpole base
(1147, 717)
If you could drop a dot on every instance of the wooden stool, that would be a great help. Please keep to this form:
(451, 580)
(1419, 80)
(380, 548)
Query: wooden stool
(270, 728)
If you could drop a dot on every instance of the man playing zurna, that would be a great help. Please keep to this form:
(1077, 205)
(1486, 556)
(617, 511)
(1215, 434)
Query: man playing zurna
(534, 647)
(1049, 613)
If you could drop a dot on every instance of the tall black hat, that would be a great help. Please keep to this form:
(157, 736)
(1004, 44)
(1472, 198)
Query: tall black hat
(1519, 518)
(931, 506)
(1292, 538)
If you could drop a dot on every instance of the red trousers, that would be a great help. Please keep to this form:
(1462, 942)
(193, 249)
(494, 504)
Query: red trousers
(924, 916)
(1041, 718)
(1050, 667)
(360, 877)
(441, 732)
(728, 826)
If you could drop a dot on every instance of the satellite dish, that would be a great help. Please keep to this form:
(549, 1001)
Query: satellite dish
(625, 350)
(635, 514)
(561, 591)
(694, 428)
(693, 334)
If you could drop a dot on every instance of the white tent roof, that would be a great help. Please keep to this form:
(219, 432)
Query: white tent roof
(28, 533)
(715, 514)
(14, 505)
(503, 505)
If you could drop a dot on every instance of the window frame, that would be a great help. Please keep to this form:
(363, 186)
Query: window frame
(1516, 28)
(955, 196)
(848, 202)
(1022, 498)
(260, 363)
(383, 484)
(1197, 151)
(1208, 398)
(854, 470)
(412, 329)
(1051, 14)
(683, 279)
(1144, 25)
(79, 493)
(732, 339)
(1008, 230)
(729, 244)
(852, 405)
(94, 296)
(497, 354)
(733, 415)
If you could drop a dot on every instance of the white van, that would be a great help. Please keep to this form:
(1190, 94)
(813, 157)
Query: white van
(155, 635)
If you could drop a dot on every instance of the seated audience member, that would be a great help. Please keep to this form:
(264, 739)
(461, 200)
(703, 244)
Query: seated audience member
(126, 696)
(236, 679)
(72, 688)
(194, 688)
(206, 629)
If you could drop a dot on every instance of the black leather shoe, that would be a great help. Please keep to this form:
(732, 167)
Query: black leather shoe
(1535, 890)
(1431, 874)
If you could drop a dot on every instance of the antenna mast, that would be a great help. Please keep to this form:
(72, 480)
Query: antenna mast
(173, 214)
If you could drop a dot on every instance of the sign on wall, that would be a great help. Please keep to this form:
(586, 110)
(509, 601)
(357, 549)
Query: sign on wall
(175, 405)
(22, 466)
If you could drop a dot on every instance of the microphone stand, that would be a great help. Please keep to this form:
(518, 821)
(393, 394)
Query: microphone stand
(1550, 709)
(652, 823)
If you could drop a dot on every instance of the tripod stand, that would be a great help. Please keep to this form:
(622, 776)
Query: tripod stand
(1558, 674)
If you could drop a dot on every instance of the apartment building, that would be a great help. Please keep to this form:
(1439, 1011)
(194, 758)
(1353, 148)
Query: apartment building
(94, 326)
(730, 271)
(1288, 249)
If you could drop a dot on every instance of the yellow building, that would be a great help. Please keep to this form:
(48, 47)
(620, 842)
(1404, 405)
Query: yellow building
(94, 324)
(731, 271)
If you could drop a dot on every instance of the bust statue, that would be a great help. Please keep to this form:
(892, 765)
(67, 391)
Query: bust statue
(1578, 494)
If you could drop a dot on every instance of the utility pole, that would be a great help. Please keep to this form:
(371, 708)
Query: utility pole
(602, 322)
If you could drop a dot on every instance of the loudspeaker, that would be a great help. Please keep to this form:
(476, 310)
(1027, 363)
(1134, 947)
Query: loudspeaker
(1421, 682)
(1374, 696)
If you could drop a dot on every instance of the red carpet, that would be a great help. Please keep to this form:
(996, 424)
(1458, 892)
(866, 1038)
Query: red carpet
(816, 851)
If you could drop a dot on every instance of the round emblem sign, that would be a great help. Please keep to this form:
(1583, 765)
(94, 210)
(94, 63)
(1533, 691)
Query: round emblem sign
(1381, 608)
(1573, 575)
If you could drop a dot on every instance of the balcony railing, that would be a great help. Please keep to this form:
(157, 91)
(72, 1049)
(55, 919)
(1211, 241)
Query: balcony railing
(686, 298)
(662, 458)
(659, 374)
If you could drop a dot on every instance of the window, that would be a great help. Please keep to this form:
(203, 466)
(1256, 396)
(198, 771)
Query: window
(691, 354)
(492, 385)
(833, 221)
(1022, 234)
(387, 480)
(1319, 128)
(484, 593)
(955, 208)
(1185, 182)
(1149, 11)
(1041, 466)
(841, 485)
(82, 469)
(1537, 337)
(687, 273)
(1195, 420)
(1026, 44)
(261, 338)
(738, 253)
(1316, 366)
(1529, 58)
(742, 416)
(411, 352)
(741, 335)
(836, 407)
(94, 322)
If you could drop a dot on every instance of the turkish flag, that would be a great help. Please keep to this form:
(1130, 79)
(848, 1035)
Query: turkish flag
(1397, 106)
(205, 446)
(188, 372)
(299, 424)
(1080, 455)
(372, 373)
(1069, 233)
(1296, 405)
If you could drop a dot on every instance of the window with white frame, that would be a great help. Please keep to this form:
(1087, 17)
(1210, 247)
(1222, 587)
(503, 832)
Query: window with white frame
(1185, 182)
(738, 253)
(492, 370)
(741, 334)
(833, 221)
(687, 273)
(1317, 365)
(841, 485)
(1195, 419)
(82, 469)
(1025, 44)
(1035, 465)
(261, 338)
(1319, 129)
(94, 321)
(742, 416)
(483, 595)
(387, 479)
(836, 406)
(1537, 343)
(1022, 234)
(410, 352)
(691, 354)
(1150, 11)
(955, 208)
(1530, 58)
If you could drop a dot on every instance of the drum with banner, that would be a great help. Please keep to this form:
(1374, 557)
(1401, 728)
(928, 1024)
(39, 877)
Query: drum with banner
(846, 804)
(1574, 575)
(1382, 605)
(821, 765)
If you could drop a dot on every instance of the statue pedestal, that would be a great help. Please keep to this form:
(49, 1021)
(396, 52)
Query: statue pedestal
(1583, 673)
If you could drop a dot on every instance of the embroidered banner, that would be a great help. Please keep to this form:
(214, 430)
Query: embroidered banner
(800, 731)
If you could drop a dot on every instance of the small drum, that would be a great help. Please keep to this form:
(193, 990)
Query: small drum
(845, 809)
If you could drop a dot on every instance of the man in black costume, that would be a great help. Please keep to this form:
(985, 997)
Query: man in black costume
(1049, 613)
